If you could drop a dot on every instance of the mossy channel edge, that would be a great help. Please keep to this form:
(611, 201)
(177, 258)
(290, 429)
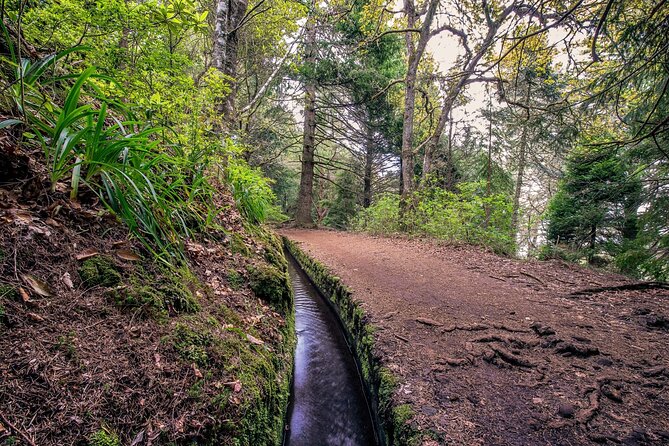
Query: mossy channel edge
(380, 384)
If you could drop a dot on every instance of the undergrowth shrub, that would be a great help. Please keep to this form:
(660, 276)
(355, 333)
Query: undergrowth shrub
(468, 216)
(250, 189)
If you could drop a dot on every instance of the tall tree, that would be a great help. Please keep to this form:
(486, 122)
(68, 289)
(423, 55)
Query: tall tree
(303, 215)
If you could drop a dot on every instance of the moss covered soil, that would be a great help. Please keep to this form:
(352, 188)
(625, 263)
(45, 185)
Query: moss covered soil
(99, 348)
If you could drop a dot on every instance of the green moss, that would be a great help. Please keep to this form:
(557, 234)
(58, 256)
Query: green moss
(99, 271)
(191, 345)
(235, 280)
(404, 433)
(176, 293)
(171, 290)
(9, 292)
(238, 245)
(271, 285)
(104, 437)
(66, 345)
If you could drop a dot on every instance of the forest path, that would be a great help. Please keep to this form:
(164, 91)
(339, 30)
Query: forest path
(496, 351)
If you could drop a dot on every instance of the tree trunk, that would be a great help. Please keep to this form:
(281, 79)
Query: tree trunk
(229, 16)
(450, 166)
(415, 52)
(521, 165)
(369, 164)
(303, 216)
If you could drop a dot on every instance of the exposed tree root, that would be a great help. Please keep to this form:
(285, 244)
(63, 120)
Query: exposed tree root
(626, 287)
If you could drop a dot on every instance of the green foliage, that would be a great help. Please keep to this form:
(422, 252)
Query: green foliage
(8, 291)
(251, 190)
(468, 216)
(383, 217)
(104, 437)
(595, 208)
(343, 208)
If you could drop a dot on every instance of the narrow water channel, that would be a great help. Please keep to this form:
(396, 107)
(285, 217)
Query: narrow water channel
(328, 404)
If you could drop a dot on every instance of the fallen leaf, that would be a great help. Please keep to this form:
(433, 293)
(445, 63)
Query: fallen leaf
(24, 295)
(23, 216)
(51, 222)
(67, 280)
(138, 438)
(197, 371)
(26, 298)
(87, 254)
(235, 385)
(37, 285)
(254, 340)
(35, 317)
(126, 254)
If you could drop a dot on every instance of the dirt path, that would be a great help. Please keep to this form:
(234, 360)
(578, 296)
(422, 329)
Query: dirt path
(493, 351)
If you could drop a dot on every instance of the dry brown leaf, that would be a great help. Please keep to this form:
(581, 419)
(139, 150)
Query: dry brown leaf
(38, 286)
(67, 280)
(87, 254)
(51, 222)
(35, 317)
(126, 254)
(198, 373)
(254, 340)
(23, 216)
(26, 298)
(236, 386)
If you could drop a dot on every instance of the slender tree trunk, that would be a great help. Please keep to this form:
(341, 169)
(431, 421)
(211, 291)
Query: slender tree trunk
(415, 52)
(303, 216)
(369, 163)
(593, 243)
(489, 163)
(521, 165)
(450, 167)
(229, 16)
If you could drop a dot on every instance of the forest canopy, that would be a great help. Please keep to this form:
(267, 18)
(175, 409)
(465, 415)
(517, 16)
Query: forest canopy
(533, 129)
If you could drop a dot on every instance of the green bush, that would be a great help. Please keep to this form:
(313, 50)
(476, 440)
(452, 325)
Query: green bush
(380, 218)
(468, 216)
(250, 189)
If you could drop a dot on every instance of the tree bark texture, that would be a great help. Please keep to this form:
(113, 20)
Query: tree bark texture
(303, 215)
(229, 17)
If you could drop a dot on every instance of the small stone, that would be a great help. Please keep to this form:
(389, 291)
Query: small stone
(612, 394)
(606, 362)
(566, 410)
(537, 401)
(428, 410)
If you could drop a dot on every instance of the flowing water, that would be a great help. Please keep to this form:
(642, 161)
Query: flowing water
(328, 404)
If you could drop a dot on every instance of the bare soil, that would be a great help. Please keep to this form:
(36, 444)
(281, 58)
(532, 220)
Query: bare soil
(495, 351)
